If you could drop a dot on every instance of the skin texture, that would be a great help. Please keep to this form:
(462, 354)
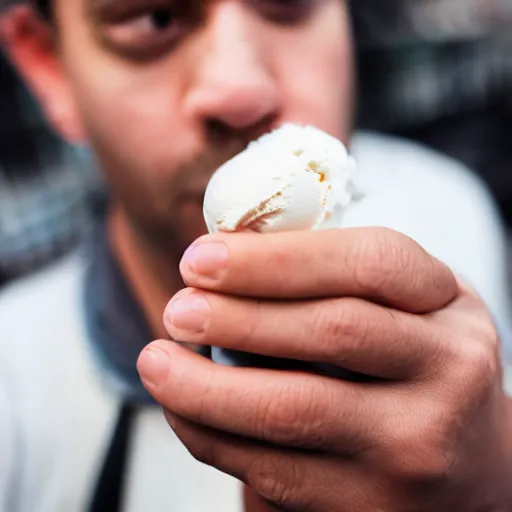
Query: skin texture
(162, 105)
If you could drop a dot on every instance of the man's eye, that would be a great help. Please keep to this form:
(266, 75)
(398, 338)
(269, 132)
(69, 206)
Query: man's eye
(145, 35)
(285, 11)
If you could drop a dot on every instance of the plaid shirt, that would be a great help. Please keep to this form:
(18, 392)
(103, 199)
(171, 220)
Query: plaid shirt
(45, 190)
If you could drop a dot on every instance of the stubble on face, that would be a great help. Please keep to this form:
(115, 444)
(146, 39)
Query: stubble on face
(161, 124)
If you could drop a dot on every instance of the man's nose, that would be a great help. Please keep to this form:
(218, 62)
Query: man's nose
(233, 86)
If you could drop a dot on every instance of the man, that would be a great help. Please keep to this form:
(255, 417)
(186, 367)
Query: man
(164, 92)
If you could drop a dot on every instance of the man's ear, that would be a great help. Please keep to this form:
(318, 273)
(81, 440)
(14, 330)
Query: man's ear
(31, 45)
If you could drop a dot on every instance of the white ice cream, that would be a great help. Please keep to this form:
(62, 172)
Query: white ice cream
(294, 178)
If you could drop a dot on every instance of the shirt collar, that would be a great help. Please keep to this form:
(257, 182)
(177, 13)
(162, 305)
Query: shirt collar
(116, 327)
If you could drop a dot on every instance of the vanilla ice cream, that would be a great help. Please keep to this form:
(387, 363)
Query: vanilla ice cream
(294, 178)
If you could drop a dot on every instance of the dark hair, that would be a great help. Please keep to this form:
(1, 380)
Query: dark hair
(44, 7)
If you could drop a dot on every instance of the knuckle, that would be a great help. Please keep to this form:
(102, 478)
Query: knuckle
(382, 257)
(423, 456)
(429, 468)
(294, 416)
(338, 329)
(200, 405)
(278, 481)
(249, 325)
(475, 371)
(283, 261)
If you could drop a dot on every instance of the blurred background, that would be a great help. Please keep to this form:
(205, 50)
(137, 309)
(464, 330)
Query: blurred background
(436, 71)
(48, 189)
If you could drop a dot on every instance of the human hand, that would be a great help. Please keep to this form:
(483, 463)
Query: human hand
(429, 431)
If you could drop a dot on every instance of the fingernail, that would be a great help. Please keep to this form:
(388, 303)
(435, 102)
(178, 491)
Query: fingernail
(207, 259)
(189, 313)
(153, 365)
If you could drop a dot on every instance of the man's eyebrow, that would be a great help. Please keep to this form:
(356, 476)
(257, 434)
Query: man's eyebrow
(95, 7)
(98, 6)
(102, 5)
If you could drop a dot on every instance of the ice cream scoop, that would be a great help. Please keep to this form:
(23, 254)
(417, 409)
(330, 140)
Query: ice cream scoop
(294, 178)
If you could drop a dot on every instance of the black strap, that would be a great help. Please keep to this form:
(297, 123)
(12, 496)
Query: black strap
(108, 494)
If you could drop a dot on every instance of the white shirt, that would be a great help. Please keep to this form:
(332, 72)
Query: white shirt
(57, 411)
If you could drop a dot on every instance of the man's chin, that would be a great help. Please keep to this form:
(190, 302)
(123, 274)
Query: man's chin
(194, 232)
(192, 220)
(190, 228)
(171, 239)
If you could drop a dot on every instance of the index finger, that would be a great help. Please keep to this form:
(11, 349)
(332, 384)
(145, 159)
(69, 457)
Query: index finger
(376, 264)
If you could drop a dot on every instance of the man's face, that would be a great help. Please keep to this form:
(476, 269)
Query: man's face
(167, 90)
